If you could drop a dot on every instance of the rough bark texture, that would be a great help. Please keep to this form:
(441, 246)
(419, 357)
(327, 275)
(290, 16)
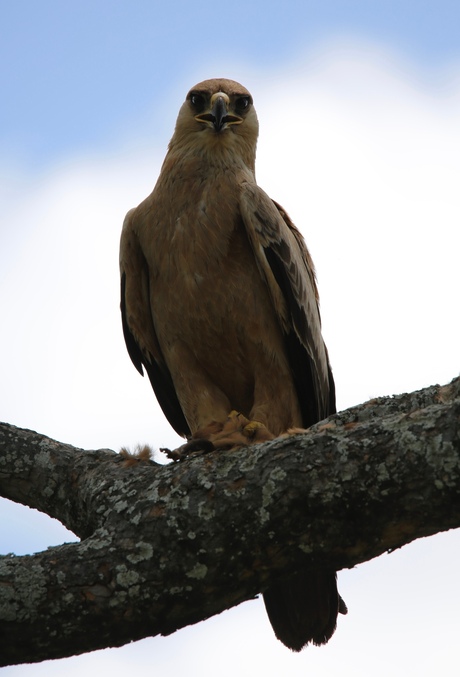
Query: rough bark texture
(166, 546)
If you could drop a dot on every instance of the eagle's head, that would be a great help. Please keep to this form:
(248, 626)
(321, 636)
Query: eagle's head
(218, 115)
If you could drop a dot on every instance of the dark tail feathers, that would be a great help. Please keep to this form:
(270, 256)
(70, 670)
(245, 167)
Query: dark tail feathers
(304, 608)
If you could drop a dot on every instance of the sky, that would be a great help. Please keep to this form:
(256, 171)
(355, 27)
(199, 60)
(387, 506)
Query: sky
(359, 110)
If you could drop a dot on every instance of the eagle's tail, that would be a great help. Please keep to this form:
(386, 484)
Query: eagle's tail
(304, 608)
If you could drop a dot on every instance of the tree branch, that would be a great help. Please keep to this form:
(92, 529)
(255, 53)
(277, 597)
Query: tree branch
(167, 546)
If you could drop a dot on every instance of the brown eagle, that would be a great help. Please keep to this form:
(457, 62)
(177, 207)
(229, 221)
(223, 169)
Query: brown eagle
(220, 306)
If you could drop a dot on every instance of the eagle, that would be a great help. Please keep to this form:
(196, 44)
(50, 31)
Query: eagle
(220, 306)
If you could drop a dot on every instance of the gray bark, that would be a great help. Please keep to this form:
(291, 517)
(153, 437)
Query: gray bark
(166, 546)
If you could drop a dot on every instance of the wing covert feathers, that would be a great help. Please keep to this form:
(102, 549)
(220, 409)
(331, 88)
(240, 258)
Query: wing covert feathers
(284, 261)
(138, 329)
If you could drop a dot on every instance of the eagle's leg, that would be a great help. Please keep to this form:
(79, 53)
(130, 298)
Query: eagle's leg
(239, 431)
(236, 431)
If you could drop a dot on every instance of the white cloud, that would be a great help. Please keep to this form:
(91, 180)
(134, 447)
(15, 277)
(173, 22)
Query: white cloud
(366, 159)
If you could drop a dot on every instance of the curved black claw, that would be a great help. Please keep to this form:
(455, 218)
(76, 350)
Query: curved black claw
(196, 447)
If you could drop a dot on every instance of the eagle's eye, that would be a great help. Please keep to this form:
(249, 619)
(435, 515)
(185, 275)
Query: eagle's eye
(197, 101)
(242, 103)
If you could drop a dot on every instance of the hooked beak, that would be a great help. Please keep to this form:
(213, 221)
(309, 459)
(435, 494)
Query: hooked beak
(218, 116)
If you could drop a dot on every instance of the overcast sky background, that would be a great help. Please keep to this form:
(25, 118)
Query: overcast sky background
(359, 109)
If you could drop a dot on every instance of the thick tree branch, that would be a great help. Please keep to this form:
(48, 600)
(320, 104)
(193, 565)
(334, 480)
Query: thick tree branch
(166, 546)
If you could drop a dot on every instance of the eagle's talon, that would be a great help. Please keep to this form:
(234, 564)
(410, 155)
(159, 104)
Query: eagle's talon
(194, 447)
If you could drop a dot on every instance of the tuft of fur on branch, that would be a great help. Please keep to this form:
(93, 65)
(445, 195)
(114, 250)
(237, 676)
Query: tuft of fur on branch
(141, 454)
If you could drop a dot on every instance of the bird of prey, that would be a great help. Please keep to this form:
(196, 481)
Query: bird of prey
(220, 306)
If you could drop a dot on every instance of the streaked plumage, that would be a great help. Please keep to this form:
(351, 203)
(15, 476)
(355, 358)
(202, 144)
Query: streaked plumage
(220, 306)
